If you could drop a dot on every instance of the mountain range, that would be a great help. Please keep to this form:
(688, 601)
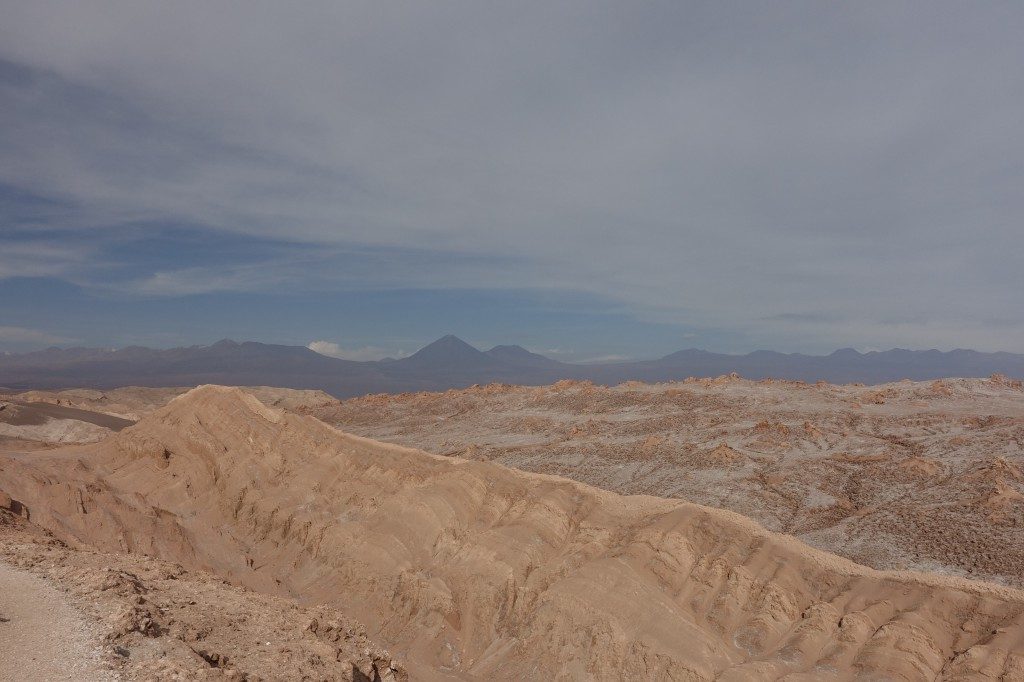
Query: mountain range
(450, 362)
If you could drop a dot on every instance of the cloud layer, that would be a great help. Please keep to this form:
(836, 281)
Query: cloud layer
(793, 175)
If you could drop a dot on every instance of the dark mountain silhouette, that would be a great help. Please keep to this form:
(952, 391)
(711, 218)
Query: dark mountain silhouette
(519, 356)
(450, 362)
(448, 353)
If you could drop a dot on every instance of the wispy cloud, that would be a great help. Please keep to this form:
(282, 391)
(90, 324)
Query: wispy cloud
(37, 258)
(191, 281)
(331, 349)
(18, 337)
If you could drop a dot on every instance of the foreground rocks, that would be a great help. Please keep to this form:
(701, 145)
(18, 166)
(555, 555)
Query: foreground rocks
(154, 620)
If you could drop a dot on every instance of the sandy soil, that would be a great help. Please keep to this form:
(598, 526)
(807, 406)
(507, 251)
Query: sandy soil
(42, 637)
(86, 615)
(47, 423)
(926, 476)
(467, 569)
(22, 413)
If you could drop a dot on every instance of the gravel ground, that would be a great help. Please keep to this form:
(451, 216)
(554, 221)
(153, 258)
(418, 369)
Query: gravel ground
(42, 637)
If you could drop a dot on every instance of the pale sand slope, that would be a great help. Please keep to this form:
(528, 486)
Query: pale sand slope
(55, 431)
(469, 569)
(132, 402)
(50, 423)
(128, 403)
(922, 475)
(89, 416)
(135, 618)
(42, 638)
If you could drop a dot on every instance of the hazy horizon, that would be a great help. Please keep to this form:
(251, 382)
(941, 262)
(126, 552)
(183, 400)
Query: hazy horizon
(374, 353)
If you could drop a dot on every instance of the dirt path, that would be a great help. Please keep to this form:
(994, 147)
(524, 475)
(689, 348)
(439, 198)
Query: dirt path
(41, 636)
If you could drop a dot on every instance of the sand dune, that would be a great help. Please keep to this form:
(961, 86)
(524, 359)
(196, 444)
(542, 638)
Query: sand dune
(469, 569)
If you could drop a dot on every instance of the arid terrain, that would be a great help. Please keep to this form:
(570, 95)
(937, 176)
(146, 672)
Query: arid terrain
(484, 565)
(925, 476)
(133, 617)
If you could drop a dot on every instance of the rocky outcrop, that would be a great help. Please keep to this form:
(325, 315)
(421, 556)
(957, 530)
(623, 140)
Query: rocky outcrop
(13, 506)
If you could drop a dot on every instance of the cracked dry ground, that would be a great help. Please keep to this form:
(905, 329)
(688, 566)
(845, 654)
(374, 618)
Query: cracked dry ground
(919, 475)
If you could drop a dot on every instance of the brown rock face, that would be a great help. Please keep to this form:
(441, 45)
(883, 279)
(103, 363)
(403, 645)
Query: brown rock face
(469, 569)
(12, 505)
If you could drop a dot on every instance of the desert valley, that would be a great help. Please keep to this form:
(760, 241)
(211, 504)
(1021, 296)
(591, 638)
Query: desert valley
(703, 529)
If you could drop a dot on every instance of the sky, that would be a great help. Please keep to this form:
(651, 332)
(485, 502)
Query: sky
(590, 180)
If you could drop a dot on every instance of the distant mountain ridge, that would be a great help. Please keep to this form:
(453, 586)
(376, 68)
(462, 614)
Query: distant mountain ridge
(450, 362)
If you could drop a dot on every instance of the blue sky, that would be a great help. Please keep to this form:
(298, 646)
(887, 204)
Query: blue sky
(590, 180)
